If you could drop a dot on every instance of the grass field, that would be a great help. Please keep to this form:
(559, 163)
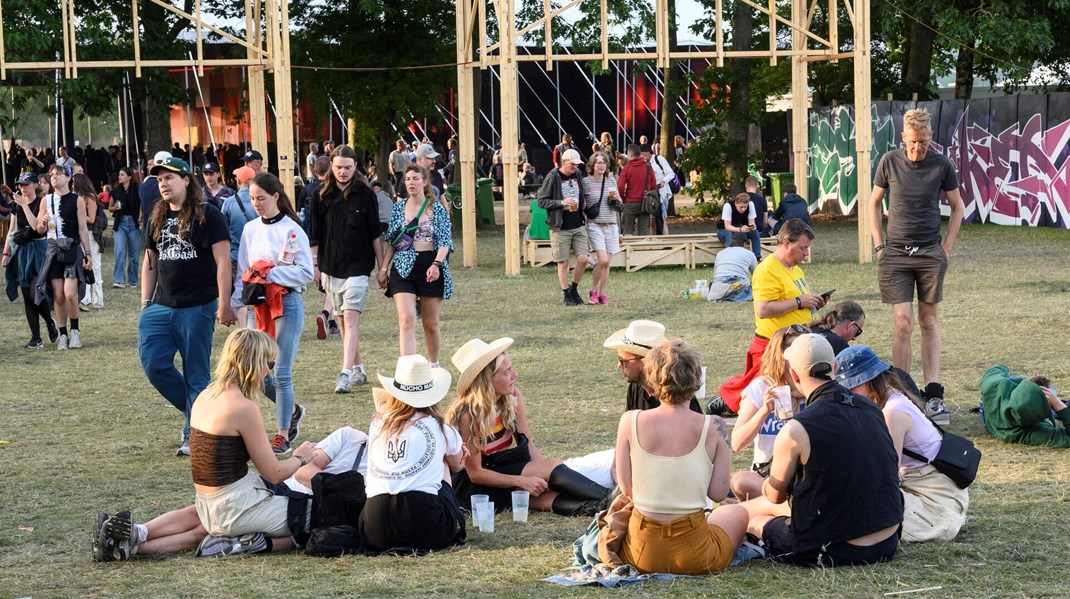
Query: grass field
(82, 431)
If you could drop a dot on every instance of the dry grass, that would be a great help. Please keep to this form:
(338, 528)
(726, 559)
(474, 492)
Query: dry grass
(84, 432)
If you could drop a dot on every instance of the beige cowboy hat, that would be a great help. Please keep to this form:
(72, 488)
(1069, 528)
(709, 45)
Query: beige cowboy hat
(416, 383)
(474, 356)
(638, 338)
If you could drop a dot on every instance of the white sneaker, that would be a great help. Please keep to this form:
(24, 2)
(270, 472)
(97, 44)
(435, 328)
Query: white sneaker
(63, 342)
(76, 339)
(343, 384)
(358, 377)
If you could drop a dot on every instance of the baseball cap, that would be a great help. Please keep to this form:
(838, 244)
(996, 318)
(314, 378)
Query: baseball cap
(243, 174)
(252, 155)
(572, 156)
(210, 167)
(811, 355)
(160, 157)
(426, 151)
(175, 165)
(26, 179)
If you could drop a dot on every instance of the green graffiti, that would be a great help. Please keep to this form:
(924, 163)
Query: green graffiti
(832, 178)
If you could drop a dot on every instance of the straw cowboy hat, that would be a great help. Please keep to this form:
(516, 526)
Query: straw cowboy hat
(474, 356)
(416, 383)
(638, 338)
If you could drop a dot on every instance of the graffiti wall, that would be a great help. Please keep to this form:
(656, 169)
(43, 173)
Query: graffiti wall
(1011, 154)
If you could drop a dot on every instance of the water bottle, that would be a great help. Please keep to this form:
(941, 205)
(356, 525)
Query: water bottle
(288, 251)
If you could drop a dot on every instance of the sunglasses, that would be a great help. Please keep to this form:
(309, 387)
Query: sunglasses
(857, 328)
(622, 362)
(799, 329)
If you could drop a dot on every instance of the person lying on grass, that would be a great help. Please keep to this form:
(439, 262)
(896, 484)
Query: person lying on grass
(1019, 410)
(234, 512)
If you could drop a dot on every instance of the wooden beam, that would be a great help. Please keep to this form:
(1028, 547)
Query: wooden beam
(120, 64)
(830, 57)
(284, 111)
(800, 122)
(863, 128)
(772, 32)
(137, 39)
(510, 126)
(482, 47)
(200, 45)
(546, 17)
(548, 40)
(66, 40)
(834, 26)
(792, 24)
(257, 109)
(3, 66)
(213, 28)
(605, 37)
(466, 137)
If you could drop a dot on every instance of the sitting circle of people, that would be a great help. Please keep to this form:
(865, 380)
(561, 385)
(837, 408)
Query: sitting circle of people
(843, 448)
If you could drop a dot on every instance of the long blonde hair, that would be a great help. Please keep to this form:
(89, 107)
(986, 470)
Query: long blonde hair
(480, 404)
(773, 366)
(395, 415)
(246, 352)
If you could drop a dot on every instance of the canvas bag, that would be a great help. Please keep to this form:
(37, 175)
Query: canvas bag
(652, 197)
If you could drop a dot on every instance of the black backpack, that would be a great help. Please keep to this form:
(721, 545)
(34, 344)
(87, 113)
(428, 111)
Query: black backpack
(338, 499)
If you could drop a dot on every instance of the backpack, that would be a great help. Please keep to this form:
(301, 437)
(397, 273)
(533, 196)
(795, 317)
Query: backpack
(100, 224)
(338, 499)
(335, 541)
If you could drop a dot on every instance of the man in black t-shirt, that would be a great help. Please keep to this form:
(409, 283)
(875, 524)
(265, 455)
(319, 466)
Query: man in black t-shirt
(344, 236)
(761, 206)
(185, 288)
(633, 344)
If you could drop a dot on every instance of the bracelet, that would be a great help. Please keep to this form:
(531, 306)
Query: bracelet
(145, 302)
(302, 460)
(878, 248)
(798, 303)
(384, 269)
(437, 263)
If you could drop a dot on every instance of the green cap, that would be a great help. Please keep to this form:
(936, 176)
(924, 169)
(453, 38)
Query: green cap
(175, 165)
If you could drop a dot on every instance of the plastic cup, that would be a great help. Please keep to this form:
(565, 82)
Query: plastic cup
(520, 506)
(701, 393)
(479, 499)
(479, 503)
(487, 511)
(782, 403)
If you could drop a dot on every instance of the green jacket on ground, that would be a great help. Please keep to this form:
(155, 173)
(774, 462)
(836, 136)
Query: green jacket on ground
(1017, 412)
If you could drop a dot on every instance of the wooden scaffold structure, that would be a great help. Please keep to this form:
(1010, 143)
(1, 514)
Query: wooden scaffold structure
(475, 51)
(267, 47)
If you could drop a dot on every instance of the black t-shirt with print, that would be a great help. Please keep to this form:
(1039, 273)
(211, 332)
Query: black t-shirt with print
(571, 187)
(186, 273)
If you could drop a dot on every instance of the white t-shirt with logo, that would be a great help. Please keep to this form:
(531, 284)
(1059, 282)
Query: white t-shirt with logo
(763, 443)
(412, 460)
(341, 446)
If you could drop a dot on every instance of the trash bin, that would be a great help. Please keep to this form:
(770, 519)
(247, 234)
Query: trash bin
(484, 201)
(538, 228)
(778, 181)
(453, 195)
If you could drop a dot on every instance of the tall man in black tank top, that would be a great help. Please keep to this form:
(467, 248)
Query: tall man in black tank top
(62, 220)
(836, 462)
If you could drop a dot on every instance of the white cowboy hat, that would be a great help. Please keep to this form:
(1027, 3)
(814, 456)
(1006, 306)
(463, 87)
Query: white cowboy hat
(416, 383)
(638, 338)
(474, 356)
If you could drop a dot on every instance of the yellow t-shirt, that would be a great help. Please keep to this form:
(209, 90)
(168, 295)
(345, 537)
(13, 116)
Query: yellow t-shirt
(772, 281)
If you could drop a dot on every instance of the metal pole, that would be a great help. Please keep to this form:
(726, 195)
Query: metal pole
(557, 94)
(189, 120)
(204, 105)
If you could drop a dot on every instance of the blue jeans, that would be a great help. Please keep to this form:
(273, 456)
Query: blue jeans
(279, 386)
(755, 242)
(127, 248)
(161, 333)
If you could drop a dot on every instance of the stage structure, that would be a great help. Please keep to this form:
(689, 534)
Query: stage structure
(476, 51)
(267, 46)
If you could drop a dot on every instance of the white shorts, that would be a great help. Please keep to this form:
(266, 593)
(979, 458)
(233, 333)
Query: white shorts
(604, 237)
(243, 507)
(346, 294)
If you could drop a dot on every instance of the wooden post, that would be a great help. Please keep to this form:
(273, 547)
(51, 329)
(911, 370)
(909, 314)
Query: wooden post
(200, 45)
(466, 133)
(257, 109)
(863, 128)
(800, 122)
(510, 116)
(137, 36)
(284, 114)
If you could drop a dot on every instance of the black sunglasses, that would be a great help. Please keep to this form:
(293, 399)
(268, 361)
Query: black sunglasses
(858, 328)
(800, 329)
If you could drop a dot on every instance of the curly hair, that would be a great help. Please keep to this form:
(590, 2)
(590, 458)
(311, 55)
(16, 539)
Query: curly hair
(674, 370)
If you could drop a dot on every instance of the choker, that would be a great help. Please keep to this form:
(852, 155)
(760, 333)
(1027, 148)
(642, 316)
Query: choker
(270, 221)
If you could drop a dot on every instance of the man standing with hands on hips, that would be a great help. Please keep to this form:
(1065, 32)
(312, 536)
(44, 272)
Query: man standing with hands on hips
(912, 255)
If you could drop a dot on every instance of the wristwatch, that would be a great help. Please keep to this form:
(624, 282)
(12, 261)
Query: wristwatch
(798, 303)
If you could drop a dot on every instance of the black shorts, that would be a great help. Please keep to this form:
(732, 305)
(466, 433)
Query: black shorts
(413, 521)
(416, 283)
(779, 539)
(507, 461)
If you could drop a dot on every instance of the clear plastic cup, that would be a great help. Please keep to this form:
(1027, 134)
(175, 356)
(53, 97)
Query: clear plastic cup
(782, 403)
(487, 521)
(520, 506)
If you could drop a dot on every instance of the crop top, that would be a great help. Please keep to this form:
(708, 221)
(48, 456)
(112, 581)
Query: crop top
(217, 460)
(425, 231)
(670, 485)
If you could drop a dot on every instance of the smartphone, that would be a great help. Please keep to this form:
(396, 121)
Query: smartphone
(825, 296)
(7, 189)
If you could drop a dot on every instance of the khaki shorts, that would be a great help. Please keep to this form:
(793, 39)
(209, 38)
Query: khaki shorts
(901, 269)
(242, 507)
(346, 294)
(574, 240)
(686, 545)
(605, 237)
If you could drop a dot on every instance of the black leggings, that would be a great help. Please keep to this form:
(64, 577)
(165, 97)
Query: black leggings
(34, 312)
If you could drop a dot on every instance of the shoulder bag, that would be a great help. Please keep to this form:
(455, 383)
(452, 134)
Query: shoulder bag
(403, 240)
(651, 197)
(957, 459)
(591, 210)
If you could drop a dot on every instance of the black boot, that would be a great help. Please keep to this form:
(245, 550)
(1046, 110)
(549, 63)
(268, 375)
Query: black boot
(564, 505)
(567, 481)
(575, 293)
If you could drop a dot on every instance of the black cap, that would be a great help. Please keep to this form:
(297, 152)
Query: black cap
(210, 167)
(252, 155)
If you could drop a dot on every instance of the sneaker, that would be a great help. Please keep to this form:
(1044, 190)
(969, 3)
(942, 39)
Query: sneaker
(718, 407)
(223, 546)
(603, 300)
(83, 307)
(280, 445)
(295, 421)
(34, 344)
(343, 384)
(321, 326)
(122, 533)
(118, 285)
(103, 545)
(53, 332)
(76, 339)
(183, 449)
(592, 297)
(568, 301)
(934, 404)
(332, 328)
(358, 377)
(63, 343)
